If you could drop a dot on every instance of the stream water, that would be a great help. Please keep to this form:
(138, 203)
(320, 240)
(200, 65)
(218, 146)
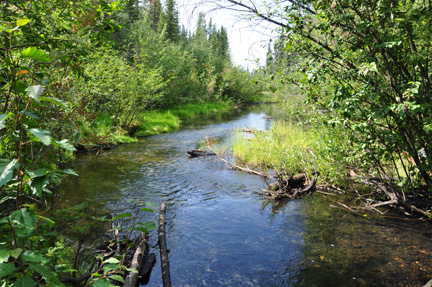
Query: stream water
(222, 232)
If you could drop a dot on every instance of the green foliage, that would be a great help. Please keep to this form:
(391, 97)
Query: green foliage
(114, 87)
(364, 67)
(27, 255)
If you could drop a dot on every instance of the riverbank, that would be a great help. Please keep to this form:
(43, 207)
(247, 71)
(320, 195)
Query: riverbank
(329, 157)
(102, 134)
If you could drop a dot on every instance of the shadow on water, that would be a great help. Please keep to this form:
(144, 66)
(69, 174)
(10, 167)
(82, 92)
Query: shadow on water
(221, 232)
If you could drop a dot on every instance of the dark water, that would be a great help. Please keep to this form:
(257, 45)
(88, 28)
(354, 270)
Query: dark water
(222, 232)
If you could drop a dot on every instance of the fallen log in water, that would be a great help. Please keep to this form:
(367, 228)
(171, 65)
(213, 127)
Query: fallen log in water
(137, 260)
(199, 152)
(166, 277)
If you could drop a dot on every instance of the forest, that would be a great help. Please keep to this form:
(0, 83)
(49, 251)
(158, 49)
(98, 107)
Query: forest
(353, 77)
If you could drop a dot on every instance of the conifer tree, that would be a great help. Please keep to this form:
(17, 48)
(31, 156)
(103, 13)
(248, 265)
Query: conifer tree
(172, 21)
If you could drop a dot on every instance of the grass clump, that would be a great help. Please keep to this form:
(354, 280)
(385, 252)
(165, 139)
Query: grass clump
(165, 121)
(157, 122)
(290, 148)
(192, 110)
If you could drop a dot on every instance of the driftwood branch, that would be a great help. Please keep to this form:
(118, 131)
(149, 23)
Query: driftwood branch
(166, 277)
(137, 260)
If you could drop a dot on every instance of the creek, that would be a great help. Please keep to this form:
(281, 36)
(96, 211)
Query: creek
(222, 232)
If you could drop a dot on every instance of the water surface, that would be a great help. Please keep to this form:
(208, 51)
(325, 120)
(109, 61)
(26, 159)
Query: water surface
(222, 232)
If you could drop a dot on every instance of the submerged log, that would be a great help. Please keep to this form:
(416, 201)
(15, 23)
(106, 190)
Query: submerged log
(199, 152)
(137, 260)
(166, 277)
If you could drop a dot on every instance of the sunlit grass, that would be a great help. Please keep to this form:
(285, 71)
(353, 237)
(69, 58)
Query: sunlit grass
(290, 148)
(153, 123)
(192, 110)
(283, 148)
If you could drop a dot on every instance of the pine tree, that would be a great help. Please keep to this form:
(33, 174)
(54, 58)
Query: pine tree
(200, 36)
(269, 57)
(172, 21)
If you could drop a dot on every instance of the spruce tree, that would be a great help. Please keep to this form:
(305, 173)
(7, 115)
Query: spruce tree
(172, 21)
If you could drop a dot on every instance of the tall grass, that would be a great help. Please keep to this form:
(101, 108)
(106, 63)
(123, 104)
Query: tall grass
(192, 110)
(283, 148)
(157, 122)
(102, 131)
(154, 122)
(290, 148)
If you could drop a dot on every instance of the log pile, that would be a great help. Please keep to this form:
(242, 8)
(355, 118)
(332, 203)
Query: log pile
(291, 186)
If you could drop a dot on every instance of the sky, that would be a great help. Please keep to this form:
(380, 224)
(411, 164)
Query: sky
(248, 43)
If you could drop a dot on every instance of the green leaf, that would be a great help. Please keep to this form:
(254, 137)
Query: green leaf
(7, 269)
(70, 171)
(32, 115)
(112, 260)
(35, 54)
(6, 170)
(46, 273)
(38, 185)
(64, 144)
(33, 256)
(3, 119)
(148, 225)
(42, 135)
(147, 209)
(45, 218)
(102, 282)
(24, 281)
(122, 215)
(55, 101)
(133, 270)
(22, 22)
(142, 229)
(16, 252)
(35, 92)
(118, 278)
(25, 219)
(4, 256)
(37, 173)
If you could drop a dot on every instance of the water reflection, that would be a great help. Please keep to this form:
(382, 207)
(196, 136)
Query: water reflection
(221, 232)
